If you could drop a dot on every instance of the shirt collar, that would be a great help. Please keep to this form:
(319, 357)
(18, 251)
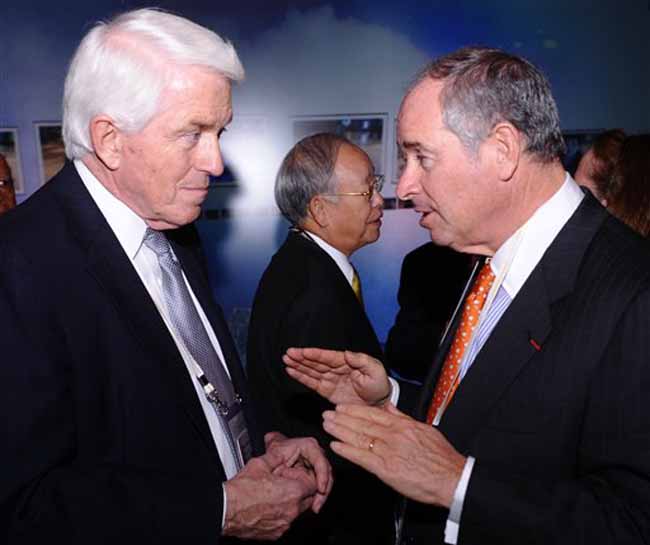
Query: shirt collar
(129, 228)
(339, 257)
(537, 235)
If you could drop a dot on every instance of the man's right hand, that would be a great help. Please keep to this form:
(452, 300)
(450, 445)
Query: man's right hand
(265, 497)
(340, 377)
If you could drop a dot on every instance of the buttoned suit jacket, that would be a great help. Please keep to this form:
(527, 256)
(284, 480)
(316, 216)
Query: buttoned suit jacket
(104, 438)
(303, 299)
(555, 406)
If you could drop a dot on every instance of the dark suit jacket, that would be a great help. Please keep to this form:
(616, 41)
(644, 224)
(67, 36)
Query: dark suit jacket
(303, 299)
(561, 435)
(103, 436)
(431, 282)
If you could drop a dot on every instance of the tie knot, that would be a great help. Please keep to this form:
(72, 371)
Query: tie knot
(483, 282)
(156, 242)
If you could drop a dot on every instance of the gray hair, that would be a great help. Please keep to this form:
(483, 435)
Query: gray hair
(307, 171)
(484, 86)
(113, 71)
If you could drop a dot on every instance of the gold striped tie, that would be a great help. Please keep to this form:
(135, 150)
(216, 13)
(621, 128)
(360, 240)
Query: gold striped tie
(356, 286)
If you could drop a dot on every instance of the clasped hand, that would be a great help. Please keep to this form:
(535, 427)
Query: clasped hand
(271, 490)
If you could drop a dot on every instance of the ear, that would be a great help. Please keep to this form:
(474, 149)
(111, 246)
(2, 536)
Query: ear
(507, 147)
(107, 141)
(318, 211)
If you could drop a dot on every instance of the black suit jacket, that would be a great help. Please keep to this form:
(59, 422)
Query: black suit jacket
(431, 282)
(561, 434)
(103, 436)
(303, 299)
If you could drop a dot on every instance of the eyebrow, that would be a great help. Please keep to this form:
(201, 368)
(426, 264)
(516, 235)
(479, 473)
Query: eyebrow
(418, 146)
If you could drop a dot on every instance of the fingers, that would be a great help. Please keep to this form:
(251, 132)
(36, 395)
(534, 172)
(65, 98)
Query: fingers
(353, 431)
(272, 436)
(376, 415)
(305, 450)
(317, 358)
(359, 360)
(359, 456)
(311, 451)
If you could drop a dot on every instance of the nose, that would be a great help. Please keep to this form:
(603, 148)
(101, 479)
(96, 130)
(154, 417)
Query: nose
(377, 200)
(407, 185)
(208, 157)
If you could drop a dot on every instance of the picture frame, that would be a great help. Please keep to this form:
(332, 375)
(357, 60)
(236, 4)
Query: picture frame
(10, 148)
(51, 151)
(368, 131)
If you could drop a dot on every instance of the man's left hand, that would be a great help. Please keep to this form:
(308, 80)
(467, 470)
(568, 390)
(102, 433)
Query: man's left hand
(303, 453)
(413, 458)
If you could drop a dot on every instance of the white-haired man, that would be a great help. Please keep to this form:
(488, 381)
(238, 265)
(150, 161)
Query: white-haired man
(126, 411)
(532, 426)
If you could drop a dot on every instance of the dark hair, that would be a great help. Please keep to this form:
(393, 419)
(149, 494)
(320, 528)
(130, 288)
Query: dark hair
(484, 86)
(630, 199)
(305, 172)
(606, 150)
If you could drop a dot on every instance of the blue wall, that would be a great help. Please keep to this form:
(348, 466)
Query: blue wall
(316, 58)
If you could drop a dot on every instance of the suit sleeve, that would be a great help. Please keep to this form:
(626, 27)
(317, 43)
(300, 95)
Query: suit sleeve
(53, 486)
(607, 498)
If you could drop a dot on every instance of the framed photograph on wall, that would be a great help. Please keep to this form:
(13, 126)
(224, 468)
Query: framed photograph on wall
(368, 131)
(51, 152)
(10, 149)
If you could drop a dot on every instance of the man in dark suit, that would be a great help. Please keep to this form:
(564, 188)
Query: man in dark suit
(532, 426)
(126, 415)
(431, 282)
(327, 188)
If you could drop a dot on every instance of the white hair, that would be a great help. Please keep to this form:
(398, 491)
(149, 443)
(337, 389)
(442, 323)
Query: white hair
(116, 70)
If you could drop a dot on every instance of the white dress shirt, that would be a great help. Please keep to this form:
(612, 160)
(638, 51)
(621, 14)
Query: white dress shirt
(518, 256)
(129, 229)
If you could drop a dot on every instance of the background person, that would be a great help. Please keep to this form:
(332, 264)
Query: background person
(310, 295)
(598, 165)
(629, 198)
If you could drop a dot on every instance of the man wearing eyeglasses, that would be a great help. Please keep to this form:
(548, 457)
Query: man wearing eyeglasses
(310, 295)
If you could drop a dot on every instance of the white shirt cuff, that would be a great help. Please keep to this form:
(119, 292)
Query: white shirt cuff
(394, 393)
(225, 505)
(453, 521)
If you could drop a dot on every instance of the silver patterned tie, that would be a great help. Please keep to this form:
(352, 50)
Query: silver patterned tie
(187, 322)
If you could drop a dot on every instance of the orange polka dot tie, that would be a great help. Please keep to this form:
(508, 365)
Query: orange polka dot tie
(450, 375)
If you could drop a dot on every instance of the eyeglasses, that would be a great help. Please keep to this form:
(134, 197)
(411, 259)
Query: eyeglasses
(375, 186)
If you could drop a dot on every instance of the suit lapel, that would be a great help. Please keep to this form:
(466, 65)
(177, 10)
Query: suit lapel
(529, 317)
(345, 292)
(112, 269)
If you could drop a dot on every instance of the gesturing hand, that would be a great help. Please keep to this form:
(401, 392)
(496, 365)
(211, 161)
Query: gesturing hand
(340, 377)
(411, 457)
